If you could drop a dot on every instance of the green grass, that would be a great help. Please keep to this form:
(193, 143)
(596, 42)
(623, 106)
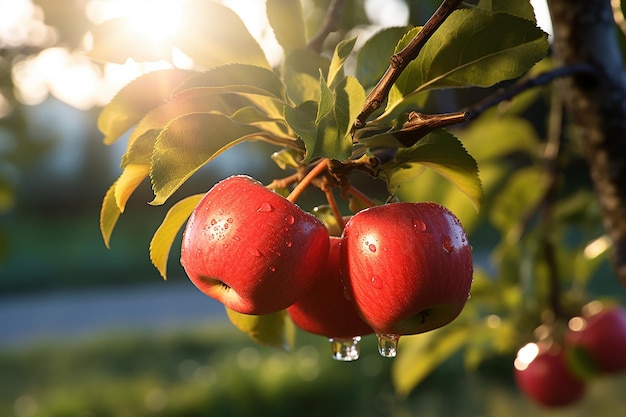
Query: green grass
(219, 372)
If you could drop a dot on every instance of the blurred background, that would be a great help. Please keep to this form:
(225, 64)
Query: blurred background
(88, 331)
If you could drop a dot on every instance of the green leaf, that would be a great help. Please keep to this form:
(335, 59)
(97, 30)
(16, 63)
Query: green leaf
(109, 214)
(116, 40)
(187, 143)
(372, 59)
(341, 53)
(251, 115)
(301, 73)
(238, 78)
(135, 100)
(285, 17)
(527, 185)
(471, 48)
(161, 242)
(276, 330)
(287, 158)
(422, 353)
(326, 133)
(522, 9)
(443, 153)
(127, 183)
(214, 35)
(157, 118)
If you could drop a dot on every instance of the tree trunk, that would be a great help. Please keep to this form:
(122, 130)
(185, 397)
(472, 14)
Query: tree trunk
(584, 31)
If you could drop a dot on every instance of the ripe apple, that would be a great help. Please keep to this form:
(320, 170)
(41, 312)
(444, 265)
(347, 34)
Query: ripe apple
(407, 267)
(542, 374)
(324, 310)
(602, 340)
(251, 248)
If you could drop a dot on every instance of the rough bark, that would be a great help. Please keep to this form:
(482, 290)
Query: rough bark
(584, 31)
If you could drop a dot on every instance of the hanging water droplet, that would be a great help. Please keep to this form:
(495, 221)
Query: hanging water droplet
(345, 350)
(372, 247)
(376, 282)
(290, 219)
(447, 244)
(388, 345)
(265, 207)
(419, 225)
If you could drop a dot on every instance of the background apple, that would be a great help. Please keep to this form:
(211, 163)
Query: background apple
(602, 340)
(251, 248)
(408, 266)
(542, 374)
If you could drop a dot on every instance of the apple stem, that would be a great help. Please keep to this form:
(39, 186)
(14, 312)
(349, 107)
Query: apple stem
(330, 197)
(306, 181)
(361, 196)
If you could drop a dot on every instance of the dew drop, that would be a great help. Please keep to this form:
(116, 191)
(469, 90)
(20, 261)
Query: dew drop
(469, 295)
(388, 344)
(419, 225)
(265, 207)
(255, 252)
(230, 220)
(237, 238)
(345, 350)
(376, 282)
(225, 226)
(447, 244)
(288, 244)
(272, 269)
(290, 219)
(372, 247)
(213, 222)
(220, 212)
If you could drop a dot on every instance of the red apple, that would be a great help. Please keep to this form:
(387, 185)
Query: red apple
(251, 248)
(602, 339)
(542, 374)
(324, 310)
(407, 266)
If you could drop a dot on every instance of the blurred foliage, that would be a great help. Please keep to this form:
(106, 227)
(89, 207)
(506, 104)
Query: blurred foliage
(218, 371)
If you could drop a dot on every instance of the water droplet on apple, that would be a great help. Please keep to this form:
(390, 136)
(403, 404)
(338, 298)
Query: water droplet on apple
(237, 238)
(290, 219)
(345, 350)
(469, 295)
(419, 225)
(388, 344)
(213, 222)
(220, 211)
(255, 252)
(272, 269)
(230, 220)
(376, 282)
(265, 207)
(225, 226)
(447, 244)
(372, 247)
(288, 244)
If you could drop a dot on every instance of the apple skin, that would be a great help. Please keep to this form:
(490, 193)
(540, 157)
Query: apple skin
(251, 248)
(548, 381)
(407, 266)
(324, 310)
(603, 340)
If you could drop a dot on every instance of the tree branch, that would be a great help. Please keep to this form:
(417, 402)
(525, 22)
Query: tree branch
(400, 60)
(584, 32)
(330, 24)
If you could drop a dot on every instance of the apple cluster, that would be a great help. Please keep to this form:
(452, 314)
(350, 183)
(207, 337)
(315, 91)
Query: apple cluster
(556, 375)
(396, 269)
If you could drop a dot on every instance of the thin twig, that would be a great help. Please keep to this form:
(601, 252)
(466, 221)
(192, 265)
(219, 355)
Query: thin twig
(359, 195)
(542, 79)
(330, 197)
(306, 181)
(400, 61)
(330, 24)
